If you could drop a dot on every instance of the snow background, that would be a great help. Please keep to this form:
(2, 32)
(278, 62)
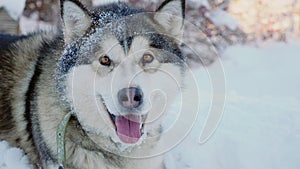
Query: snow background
(260, 127)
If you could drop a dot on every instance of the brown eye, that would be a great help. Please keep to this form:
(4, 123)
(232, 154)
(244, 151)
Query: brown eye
(148, 58)
(105, 61)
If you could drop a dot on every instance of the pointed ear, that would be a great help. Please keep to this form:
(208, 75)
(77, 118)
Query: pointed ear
(76, 19)
(170, 15)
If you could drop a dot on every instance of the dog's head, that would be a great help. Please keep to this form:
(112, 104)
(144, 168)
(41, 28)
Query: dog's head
(122, 68)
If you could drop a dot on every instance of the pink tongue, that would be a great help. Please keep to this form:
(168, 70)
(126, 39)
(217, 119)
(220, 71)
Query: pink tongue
(128, 128)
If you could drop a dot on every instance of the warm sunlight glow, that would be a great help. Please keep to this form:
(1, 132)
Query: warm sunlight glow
(267, 18)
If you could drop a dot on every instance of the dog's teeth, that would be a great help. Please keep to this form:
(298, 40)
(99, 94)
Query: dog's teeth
(142, 129)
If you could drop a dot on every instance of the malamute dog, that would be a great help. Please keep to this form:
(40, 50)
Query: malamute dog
(115, 68)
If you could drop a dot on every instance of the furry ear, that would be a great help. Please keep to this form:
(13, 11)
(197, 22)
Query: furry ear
(170, 15)
(76, 19)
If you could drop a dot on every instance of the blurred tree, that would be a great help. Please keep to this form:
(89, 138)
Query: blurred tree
(267, 19)
(8, 24)
(46, 10)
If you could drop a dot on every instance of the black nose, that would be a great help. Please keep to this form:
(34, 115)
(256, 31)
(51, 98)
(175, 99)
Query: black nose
(131, 97)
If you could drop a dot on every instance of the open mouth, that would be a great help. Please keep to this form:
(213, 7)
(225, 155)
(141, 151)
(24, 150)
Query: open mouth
(129, 128)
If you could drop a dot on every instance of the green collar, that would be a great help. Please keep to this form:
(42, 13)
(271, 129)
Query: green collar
(60, 140)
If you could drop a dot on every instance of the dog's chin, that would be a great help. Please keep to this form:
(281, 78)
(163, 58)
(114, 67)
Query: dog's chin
(129, 128)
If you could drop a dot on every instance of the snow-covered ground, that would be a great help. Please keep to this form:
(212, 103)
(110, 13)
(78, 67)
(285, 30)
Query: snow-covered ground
(12, 158)
(261, 123)
(260, 127)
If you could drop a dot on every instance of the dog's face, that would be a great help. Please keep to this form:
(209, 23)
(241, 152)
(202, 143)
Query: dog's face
(123, 69)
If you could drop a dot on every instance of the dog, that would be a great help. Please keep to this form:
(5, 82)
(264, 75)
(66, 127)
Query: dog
(116, 69)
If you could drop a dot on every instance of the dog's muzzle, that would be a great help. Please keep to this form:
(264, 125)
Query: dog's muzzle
(129, 123)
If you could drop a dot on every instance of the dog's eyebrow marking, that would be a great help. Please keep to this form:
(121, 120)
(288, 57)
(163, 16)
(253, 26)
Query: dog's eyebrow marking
(126, 44)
